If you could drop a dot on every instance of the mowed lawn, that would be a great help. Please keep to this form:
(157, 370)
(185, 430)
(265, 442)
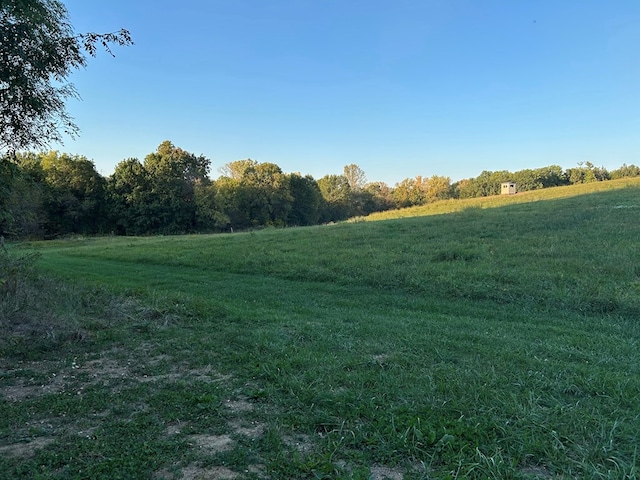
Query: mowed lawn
(496, 341)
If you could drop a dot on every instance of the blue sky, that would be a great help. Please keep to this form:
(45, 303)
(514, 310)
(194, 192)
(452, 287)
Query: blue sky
(399, 87)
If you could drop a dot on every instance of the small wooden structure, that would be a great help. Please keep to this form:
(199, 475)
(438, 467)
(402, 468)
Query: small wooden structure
(508, 188)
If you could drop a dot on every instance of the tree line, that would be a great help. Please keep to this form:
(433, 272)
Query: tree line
(45, 195)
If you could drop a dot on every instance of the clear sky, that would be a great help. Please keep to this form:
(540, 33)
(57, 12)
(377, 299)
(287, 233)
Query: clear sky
(399, 87)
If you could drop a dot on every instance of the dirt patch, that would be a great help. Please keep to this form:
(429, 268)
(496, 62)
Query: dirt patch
(104, 368)
(175, 428)
(60, 378)
(114, 370)
(380, 472)
(241, 405)
(27, 449)
(212, 443)
(258, 469)
(25, 389)
(181, 372)
(220, 473)
(251, 429)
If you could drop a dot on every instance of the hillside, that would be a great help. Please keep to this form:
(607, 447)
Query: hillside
(456, 205)
(490, 338)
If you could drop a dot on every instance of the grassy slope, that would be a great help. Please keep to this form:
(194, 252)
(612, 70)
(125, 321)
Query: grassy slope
(488, 342)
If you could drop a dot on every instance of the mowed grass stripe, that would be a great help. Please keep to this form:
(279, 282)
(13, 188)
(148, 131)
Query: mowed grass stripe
(329, 364)
(573, 253)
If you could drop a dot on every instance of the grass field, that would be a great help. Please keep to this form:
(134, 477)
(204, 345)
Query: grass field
(493, 338)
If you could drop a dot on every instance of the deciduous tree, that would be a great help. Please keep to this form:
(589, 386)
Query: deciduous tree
(587, 172)
(262, 193)
(409, 193)
(210, 216)
(172, 175)
(238, 168)
(337, 193)
(381, 194)
(308, 203)
(75, 197)
(626, 171)
(38, 51)
(129, 193)
(355, 177)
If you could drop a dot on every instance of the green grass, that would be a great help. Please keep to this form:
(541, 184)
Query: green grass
(454, 205)
(482, 343)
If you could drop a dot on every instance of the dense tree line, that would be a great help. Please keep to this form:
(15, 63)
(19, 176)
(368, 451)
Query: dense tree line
(51, 194)
(46, 195)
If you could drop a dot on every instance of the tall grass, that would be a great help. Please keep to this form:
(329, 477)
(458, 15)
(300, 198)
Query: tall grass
(485, 343)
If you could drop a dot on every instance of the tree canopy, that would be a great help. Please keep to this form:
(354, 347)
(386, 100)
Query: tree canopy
(38, 51)
(159, 195)
(46, 195)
